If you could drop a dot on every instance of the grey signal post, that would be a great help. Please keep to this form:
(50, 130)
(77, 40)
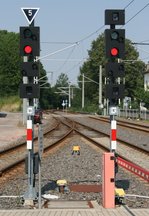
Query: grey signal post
(30, 195)
(25, 102)
(115, 49)
(40, 149)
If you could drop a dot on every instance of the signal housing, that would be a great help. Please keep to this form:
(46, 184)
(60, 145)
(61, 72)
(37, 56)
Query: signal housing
(29, 41)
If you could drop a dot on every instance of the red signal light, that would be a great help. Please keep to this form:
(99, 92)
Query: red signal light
(114, 51)
(27, 49)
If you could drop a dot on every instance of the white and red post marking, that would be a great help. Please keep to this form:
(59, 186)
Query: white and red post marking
(29, 134)
(113, 135)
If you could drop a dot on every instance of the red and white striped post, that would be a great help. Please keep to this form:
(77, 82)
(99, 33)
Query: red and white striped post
(29, 134)
(30, 194)
(113, 135)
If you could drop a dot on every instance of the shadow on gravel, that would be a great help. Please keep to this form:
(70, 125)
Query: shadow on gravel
(3, 115)
(49, 186)
(122, 184)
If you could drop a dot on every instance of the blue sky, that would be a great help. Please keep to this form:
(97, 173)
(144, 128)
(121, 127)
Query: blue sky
(65, 22)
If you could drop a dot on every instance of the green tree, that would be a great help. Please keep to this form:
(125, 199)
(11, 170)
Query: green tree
(134, 72)
(62, 81)
(45, 88)
(9, 63)
(143, 96)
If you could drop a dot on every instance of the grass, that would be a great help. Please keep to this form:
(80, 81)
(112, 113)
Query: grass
(10, 104)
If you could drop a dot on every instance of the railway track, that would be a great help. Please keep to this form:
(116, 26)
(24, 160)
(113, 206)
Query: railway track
(126, 124)
(82, 172)
(135, 161)
(13, 157)
(120, 140)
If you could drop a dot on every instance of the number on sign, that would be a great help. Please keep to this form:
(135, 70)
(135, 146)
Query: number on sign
(30, 12)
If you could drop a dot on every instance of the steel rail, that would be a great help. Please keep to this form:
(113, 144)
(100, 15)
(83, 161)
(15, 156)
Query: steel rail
(21, 159)
(122, 161)
(141, 149)
(132, 125)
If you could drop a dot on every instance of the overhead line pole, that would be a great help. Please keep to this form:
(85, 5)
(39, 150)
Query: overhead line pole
(82, 90)
(100, 87)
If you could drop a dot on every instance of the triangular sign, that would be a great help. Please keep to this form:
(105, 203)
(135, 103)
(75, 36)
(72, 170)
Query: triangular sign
(30, 13)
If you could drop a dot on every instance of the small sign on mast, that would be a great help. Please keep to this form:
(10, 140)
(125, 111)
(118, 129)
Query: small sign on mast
(30, 13)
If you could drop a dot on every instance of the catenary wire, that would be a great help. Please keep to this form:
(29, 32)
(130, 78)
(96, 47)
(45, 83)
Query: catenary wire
(95, 32)
(129, 4)
(54, 42)
(136, 14)
(88, 36)
(61, 66)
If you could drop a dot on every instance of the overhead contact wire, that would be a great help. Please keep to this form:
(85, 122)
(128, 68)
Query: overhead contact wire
(137, 13)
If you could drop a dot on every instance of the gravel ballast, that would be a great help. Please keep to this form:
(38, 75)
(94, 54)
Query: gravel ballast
(85, 168)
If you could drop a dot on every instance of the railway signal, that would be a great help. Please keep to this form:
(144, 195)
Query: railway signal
(30, 47)
(115, 49)
(114, 17)
(29, 41)
(30, 69)
(114, 92)
(115, 70)
(29, 91)
(115, 43)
